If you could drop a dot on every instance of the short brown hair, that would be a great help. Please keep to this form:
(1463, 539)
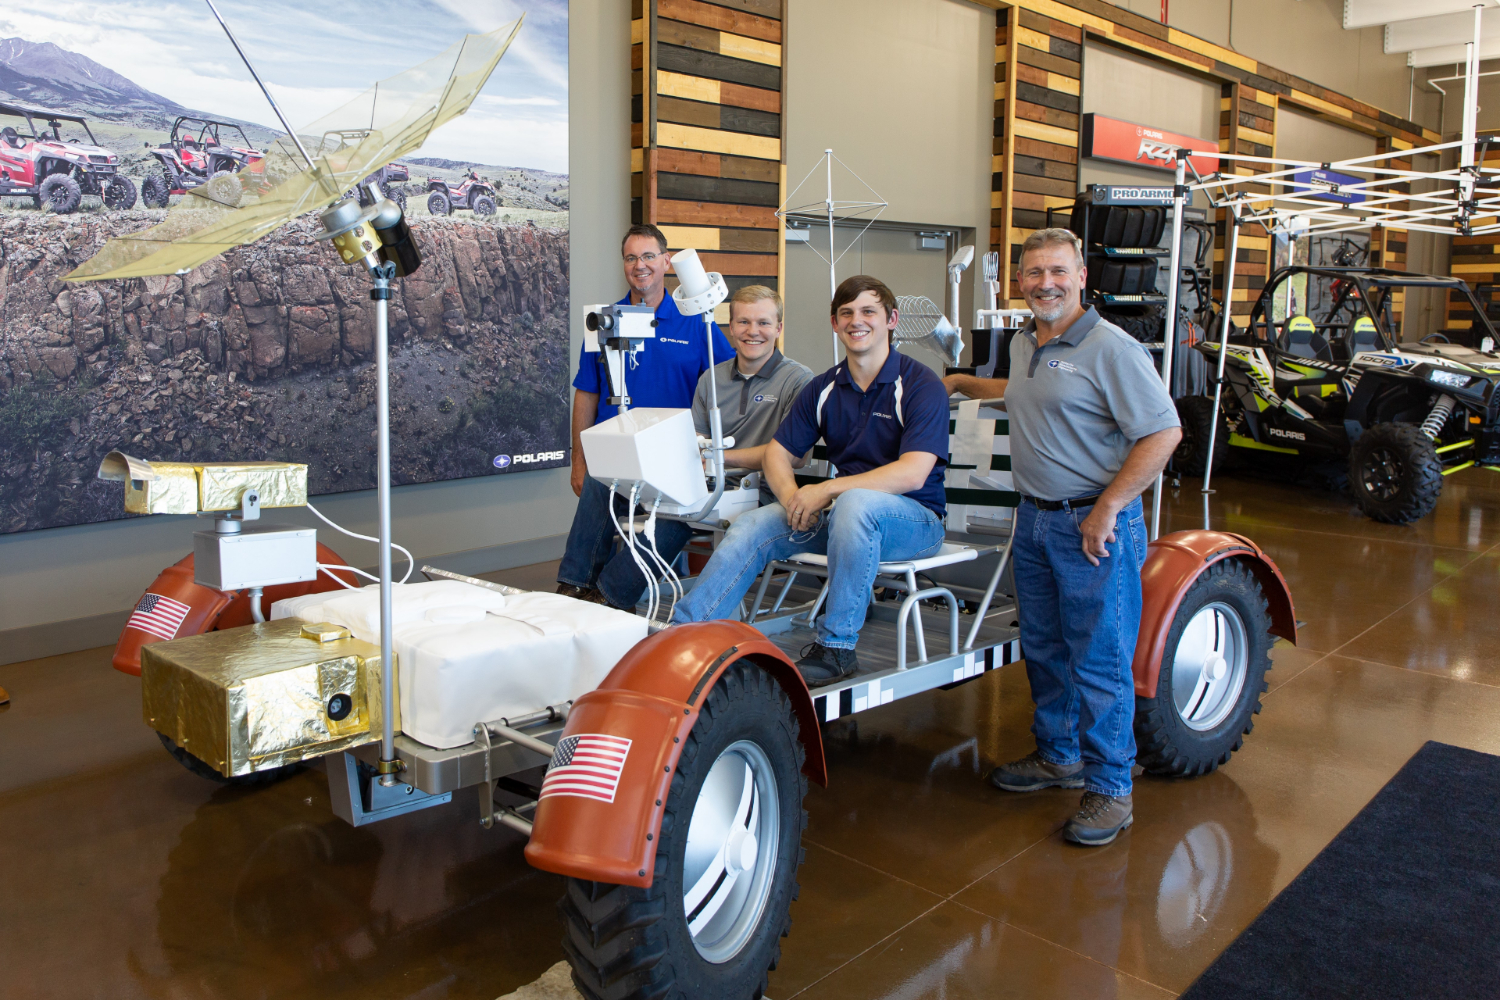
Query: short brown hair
(754, 293)
(852, 288)
(1052, 237)
(645, 230)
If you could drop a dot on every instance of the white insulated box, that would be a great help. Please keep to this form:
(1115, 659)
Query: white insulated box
(655, 446)
(258, 555)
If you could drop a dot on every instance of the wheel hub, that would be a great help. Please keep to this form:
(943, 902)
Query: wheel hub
(727, 878)
(1381, 475)
(1210, 665)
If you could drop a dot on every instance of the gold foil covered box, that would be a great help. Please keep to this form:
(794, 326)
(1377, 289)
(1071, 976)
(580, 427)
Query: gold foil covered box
(261, 696)
(190, 487)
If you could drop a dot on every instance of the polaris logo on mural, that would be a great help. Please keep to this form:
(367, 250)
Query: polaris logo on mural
(505, 461)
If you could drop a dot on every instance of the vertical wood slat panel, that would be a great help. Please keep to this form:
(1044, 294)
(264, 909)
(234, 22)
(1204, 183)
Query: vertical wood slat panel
(742, 44)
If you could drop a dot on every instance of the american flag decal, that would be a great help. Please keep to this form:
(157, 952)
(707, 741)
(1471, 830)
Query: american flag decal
(161, 616)
(587, 766)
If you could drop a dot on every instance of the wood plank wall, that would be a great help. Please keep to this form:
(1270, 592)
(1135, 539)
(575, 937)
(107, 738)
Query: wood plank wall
(707, 155)
(1247, 126)
(1038, 74)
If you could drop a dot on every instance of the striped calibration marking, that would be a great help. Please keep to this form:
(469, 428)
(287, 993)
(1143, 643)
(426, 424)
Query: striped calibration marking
(881, 691)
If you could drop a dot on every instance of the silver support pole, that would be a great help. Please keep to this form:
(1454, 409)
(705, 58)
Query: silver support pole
(1173, 285)
(1233, 221)
(382, 276)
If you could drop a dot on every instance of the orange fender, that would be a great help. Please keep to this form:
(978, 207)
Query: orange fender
(1173, 563)
(652, 697)
(211, 609)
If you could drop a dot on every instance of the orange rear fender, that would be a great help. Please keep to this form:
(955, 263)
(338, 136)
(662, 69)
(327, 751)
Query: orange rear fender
(1173, 563)
(652, 698)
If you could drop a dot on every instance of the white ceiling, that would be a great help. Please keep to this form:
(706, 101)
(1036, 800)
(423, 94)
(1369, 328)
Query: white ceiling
(1430, 32)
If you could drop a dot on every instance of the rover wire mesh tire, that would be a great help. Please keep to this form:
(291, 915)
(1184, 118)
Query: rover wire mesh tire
(60, 193)
(484, 205)
(711, 923)
(1394, 473)
(438, 204)
(1199, 416)
(1213, 672)
(257, 779)
(120, 194)
(155, 191)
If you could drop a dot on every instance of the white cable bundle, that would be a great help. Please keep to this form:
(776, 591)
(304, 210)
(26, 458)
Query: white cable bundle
(327, 569)
(639, 553)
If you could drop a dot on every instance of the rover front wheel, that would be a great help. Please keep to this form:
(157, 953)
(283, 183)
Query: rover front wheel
(711, 923)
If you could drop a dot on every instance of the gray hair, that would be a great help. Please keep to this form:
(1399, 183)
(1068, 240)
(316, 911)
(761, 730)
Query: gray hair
(1053, 237)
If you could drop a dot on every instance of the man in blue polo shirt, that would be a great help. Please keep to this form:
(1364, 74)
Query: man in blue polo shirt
(664, 373)
(884, 418)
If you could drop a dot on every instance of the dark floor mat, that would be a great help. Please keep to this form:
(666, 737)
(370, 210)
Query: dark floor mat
(1404, 903)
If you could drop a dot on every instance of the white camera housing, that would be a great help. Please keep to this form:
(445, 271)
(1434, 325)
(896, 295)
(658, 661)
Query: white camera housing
(654, 446)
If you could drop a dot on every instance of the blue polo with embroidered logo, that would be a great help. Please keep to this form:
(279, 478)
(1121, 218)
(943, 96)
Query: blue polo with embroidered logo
(905, 409)
(665, 371)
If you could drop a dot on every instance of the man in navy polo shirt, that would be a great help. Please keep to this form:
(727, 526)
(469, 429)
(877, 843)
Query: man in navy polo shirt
(884, 418)
(664, 373)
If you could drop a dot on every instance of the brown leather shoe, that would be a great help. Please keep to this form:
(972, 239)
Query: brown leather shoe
(1034, 772)
(1099, 819)
(4, 697)
(568, 590)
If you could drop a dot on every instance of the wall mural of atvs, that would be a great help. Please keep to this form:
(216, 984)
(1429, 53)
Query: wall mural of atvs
(265, 352)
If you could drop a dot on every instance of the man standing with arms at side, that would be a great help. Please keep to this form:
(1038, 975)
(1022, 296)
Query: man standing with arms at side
(664, 373)
(1091, 427)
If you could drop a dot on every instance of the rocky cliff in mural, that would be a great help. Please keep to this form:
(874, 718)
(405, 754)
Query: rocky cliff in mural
(266, 352)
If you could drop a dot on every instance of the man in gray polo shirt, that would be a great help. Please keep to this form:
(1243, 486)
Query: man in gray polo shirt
(756, 387)
(1091, 426)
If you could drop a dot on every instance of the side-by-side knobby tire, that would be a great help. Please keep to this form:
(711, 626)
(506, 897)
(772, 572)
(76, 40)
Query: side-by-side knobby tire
(1212, 675)
(1199, 415)
(255, 779)
(711, 923)
(1395, 475)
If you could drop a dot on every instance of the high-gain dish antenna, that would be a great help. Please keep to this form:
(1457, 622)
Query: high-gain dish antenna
(832, 211)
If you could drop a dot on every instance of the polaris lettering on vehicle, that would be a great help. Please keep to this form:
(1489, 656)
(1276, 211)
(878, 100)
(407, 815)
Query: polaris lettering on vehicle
(1290, 435)
(505, 461)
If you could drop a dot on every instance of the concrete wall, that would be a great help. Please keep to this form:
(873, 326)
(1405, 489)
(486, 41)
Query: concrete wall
(903, 92)
(70, 588)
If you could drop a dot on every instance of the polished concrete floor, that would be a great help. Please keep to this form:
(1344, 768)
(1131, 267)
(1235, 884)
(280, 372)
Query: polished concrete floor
(123, 876)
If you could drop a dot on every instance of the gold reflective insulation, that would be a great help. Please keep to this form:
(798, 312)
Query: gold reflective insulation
(174, 490)
(280, 484)
(190, 487)
(257, 697)
(387, 121)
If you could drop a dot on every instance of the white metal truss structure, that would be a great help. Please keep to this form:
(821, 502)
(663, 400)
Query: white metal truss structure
(1287, 197)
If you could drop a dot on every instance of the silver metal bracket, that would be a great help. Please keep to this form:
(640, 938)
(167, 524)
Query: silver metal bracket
(358, 797)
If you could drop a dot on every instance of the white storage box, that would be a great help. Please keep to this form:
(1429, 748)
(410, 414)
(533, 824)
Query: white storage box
(655, 446)
(465, 654)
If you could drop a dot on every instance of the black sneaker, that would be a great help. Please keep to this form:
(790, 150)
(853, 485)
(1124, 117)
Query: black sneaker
(822, 664)
(568, 590)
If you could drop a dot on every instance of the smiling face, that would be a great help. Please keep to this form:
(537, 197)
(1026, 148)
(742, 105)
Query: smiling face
(645, 266)
(1051, 279)
(863, 326)
(753, 329)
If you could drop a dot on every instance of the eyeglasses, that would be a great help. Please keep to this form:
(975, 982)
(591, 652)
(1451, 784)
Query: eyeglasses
(645, 258)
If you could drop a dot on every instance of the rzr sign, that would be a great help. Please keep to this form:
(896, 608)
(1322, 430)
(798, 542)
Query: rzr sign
(1126, 142)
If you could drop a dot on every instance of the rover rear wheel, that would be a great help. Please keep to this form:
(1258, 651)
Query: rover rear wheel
(1212, 675)
(256, 779)
(711, 923)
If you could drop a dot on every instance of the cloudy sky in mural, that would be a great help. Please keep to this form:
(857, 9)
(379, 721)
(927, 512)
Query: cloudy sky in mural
(317, 55)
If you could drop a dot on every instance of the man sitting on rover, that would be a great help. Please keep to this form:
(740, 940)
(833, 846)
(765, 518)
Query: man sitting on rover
(884, 418)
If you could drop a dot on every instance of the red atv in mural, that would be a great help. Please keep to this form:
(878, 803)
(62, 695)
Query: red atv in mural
(198, 155)
(473, 193)
(41, 165)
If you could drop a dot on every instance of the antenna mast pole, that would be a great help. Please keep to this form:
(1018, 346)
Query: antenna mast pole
(274, 106)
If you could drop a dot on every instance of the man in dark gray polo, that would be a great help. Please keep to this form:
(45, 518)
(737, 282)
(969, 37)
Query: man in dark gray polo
(756, 387)
(1091, 426)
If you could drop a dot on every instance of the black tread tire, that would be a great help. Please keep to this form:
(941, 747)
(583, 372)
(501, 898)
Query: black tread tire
(1145, 325)
(1198, 415)
(223, 188)
(438, 204)
(1164, 743)
(120, 195)
(256, 779)
(60, 193)
(1422, 473)
(484, 205)
(156, 191)
(627, 943)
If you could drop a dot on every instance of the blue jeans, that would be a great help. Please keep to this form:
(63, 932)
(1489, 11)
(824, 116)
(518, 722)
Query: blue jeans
(1078, 631)
(865, 528)
(590, 559)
